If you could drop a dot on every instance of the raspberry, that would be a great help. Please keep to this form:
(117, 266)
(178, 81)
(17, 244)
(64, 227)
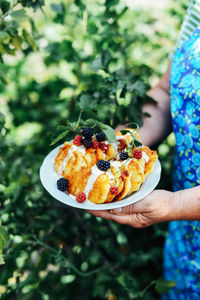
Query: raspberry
(62, 184)
(80, 197)
(87, 132)
(100, 136)
(95, 144)
(114, 190)
(123, 155)
(77, 140)
(103, 147)
(87, 143)
(137, 154)
(103, 165)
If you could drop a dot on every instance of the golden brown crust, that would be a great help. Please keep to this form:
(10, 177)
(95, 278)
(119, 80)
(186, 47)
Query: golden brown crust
(75, 162)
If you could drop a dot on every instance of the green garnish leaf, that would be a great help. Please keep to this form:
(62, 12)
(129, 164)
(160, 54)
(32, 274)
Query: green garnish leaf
(109, 132)
(123, 132)
(133, 125)
(137, 143)
(59, 137)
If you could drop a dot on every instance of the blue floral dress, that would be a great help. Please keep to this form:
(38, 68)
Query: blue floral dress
(182, 246)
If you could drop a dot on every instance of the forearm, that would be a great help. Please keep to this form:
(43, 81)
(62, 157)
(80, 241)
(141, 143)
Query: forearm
(158, 126)
(186, 205)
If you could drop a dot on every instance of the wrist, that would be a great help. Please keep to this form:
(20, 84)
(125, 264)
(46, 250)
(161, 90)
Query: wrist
(177, 206)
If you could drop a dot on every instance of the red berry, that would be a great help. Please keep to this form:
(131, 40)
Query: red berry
(77, 140)
(103, 147)
(137, 154)
(96, 144)
(114, 190)
(80, 197)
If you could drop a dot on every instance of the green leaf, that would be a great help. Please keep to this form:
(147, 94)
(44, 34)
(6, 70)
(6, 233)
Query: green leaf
(59, 137)
(4, 6)
(123, 132)
(57, 7)
(88, 123)
(3, 242)
(1, 259)
(109, 132)
(137, 143)
(92, 27)
(162, 285)
(128, 284)
(28, 38)
(19, 15)
(133, 125)
(4, 78)
(96, 65)
(105, 58)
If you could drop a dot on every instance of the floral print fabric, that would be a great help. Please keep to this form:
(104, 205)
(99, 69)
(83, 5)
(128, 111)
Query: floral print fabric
(182, 246)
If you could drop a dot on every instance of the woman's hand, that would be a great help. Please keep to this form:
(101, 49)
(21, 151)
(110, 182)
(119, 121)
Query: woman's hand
(156, 207)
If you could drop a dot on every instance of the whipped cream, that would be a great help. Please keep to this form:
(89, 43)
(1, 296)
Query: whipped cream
(145, 156)
(69, 155)
(93, 177)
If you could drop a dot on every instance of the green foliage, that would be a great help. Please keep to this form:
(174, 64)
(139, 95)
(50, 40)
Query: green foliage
(3, 242)
(60, 61)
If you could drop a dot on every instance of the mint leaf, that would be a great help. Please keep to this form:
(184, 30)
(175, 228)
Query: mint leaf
(59, 137)
(137, 143)
(123, 132)
(109, 132)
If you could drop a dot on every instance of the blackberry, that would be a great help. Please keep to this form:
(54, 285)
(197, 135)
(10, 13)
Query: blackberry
(87, 132)
(100, 136)
(123, 155)
(103, 165)
(87, 143)
(62, 184)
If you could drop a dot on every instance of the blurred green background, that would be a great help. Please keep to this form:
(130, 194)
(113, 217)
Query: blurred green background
(57, 58)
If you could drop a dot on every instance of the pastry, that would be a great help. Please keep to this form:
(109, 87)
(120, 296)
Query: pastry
(103, 171)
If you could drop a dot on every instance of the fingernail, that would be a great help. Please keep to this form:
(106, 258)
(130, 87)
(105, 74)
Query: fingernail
(116, 210)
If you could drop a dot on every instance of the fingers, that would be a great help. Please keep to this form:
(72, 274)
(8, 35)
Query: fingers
(134, 220)
(137, 207)
(105, 214)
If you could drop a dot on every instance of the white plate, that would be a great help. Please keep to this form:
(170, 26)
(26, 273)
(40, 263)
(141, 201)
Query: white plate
(49, 179)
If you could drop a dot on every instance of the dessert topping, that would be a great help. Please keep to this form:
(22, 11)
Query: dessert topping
(103, 165)
(103, 147)
(80, 197)
(137, 154)
(114, 190)
(100, 136)
(96, 144)
(87, 143)
(77, 140)
(87, 132)
(62, 184)
(123, 155)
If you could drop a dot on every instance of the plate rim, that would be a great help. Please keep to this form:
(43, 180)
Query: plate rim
(151, 180)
